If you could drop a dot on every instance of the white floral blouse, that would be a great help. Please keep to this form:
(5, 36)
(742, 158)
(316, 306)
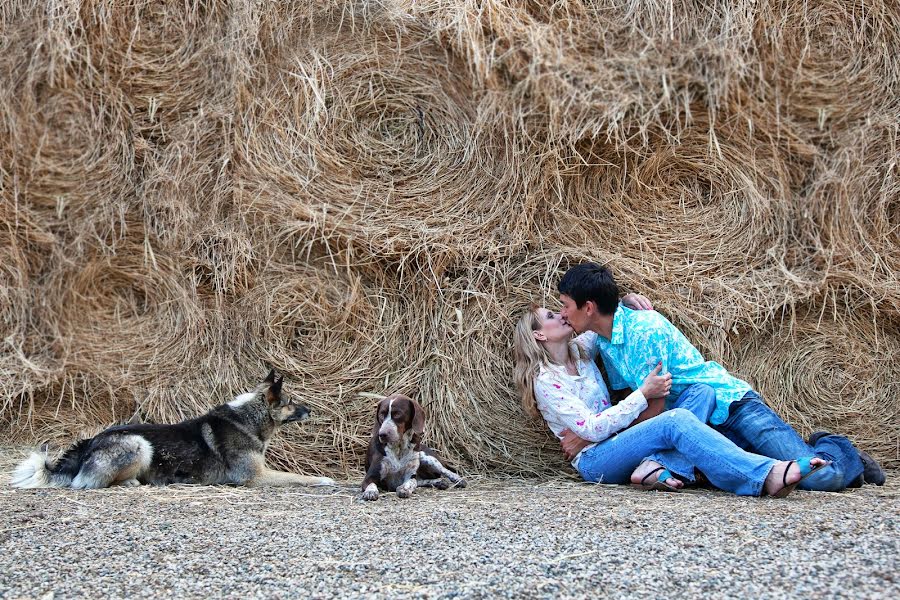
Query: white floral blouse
(581, 402)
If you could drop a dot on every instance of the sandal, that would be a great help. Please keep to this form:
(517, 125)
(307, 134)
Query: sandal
(660, 483)
(806, 469)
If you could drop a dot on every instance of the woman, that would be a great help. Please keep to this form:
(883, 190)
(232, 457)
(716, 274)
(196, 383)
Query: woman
(558, 379)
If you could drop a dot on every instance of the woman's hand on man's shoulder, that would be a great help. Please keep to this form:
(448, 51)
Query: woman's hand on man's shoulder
(637, 301)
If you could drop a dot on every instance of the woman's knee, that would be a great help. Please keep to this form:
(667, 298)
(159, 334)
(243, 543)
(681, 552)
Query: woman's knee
(678, 421)
(682, 415)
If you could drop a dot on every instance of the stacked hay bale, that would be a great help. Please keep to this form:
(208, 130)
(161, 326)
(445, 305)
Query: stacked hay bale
(366, 197)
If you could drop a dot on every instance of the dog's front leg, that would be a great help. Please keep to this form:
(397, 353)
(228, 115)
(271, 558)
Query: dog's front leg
(369, 487)
(268, 477)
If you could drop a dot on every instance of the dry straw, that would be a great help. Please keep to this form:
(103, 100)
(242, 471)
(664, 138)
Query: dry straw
(366, 195)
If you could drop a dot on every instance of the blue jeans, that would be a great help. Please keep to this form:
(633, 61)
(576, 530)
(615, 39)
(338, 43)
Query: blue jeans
(756, 428)
(695, 444)
(698, 398)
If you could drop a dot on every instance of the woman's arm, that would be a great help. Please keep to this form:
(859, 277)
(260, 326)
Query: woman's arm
(654, 388)
(655, 406)
(572, 444)
(558, 401)
(636, 302)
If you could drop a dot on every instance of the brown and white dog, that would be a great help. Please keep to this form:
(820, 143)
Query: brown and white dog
(397, 459)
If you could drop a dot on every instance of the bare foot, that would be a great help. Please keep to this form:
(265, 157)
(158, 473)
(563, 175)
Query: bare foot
(776, 479)
(647, 467)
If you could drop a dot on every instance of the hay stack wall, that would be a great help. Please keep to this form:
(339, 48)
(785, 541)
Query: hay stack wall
(365, 195)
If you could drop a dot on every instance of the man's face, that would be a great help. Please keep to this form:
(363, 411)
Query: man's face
(574, 316)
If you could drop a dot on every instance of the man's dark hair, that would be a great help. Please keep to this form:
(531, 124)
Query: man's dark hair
(590, 281)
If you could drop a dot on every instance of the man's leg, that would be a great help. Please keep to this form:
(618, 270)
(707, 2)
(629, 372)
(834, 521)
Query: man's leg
(699, 398)
(872, 471)
(755, 427)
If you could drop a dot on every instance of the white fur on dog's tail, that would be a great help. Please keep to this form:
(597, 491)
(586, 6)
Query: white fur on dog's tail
(33, 472)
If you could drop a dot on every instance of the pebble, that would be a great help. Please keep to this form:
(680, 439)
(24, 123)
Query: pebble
(494, 539)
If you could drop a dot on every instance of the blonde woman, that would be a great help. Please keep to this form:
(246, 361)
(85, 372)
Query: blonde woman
(557, 378)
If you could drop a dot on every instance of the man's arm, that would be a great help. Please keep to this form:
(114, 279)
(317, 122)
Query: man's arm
(655, 406)
(617, 396)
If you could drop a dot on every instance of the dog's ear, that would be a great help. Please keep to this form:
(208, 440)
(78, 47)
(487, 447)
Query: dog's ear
(378, 418)
(270, 378)
(275, 391)
(418, 424)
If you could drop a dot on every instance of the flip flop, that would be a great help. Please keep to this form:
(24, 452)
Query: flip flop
(660, 483)
(806, 469)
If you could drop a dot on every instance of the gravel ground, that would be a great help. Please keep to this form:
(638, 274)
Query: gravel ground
(510, 538)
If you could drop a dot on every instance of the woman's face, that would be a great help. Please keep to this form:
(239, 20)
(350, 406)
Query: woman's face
(553, 327)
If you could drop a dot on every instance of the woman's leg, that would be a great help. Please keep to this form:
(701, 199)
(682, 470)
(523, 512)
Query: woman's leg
(725, 465)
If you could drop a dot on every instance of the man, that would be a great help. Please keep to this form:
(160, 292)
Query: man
(631, 344)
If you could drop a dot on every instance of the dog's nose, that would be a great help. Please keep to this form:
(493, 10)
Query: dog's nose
(382, 437)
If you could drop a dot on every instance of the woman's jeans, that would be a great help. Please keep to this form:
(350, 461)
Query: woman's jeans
(680, 442)
(755, 427)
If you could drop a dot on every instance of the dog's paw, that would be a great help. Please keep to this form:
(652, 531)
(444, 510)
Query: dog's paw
(460, 483)
(406, 490)
(129, 483)
(371, 492)
(325, 481)
(441, 484)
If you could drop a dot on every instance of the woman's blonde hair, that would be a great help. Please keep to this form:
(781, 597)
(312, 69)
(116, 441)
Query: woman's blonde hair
(530, 355)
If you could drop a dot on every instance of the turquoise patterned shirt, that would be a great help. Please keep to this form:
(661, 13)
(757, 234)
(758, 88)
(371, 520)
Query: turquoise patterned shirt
(642, 338)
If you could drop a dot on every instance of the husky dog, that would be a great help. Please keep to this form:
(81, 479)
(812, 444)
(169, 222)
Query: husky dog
(227, 445)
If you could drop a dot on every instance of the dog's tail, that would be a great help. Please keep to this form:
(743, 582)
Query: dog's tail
(36, 471)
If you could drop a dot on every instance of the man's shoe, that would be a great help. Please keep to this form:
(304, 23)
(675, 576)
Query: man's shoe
(813, 438)
(872, 471)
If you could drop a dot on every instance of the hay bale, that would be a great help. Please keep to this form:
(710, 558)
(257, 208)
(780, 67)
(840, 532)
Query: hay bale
(374, 141)
(365, 196)
(830, 66)
(829, 365)
(850, 215)
(642, 212)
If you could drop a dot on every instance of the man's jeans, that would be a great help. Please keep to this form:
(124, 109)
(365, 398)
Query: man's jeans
(756, 428)
(698, 398)
(680, 442)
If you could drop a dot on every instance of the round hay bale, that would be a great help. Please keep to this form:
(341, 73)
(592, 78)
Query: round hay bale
(375, 140)
(825, 367)
(600, 71)
(128, 323)
(851, 211)
(702, 223)
(830, 65)
(26, 363)
(165, 62)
